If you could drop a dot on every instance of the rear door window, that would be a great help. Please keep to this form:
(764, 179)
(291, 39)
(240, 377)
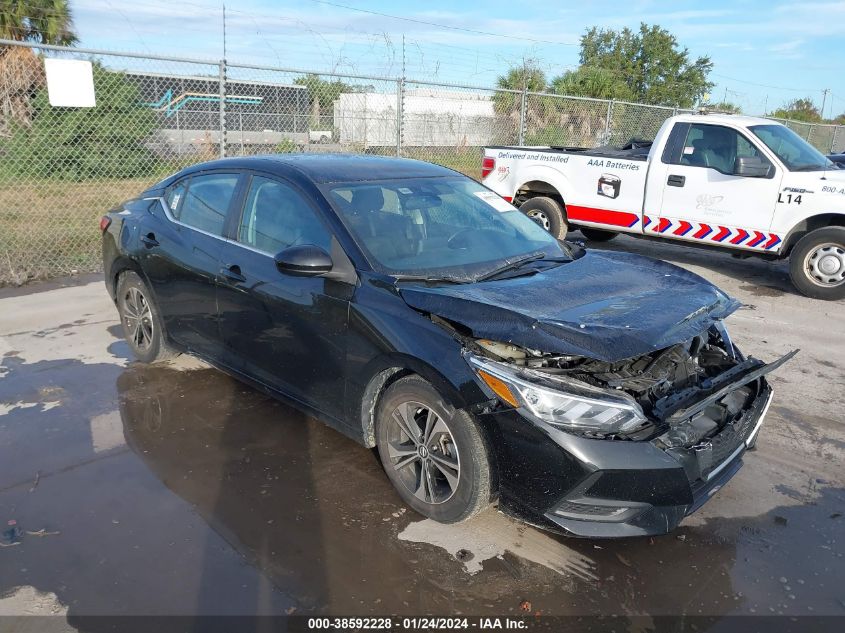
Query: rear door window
(205, 202)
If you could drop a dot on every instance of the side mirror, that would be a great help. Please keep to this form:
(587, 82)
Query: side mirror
(752, 167)
(305, 260)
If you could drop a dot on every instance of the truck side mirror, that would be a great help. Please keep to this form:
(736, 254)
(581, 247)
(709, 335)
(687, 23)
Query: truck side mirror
(752, 167)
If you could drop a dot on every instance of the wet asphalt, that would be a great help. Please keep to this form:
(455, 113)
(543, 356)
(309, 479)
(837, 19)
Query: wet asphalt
(175, 489)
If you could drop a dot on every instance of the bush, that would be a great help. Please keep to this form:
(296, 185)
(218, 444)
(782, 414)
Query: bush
(106, 141)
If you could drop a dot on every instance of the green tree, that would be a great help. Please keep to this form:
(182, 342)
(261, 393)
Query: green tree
(799, 110)
(725, 106)
(595, 82)
(650, 62)
(107, 140)
(39, 21)
(21, 72)
(529, 77)
(321, 96)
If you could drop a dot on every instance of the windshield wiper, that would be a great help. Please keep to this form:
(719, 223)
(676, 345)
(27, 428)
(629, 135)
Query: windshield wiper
(511, 265)
(430, 278)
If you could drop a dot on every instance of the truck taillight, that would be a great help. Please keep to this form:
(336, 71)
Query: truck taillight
(105, 222)
(488, 164)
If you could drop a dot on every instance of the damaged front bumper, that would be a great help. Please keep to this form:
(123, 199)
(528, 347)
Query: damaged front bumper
(602, 488)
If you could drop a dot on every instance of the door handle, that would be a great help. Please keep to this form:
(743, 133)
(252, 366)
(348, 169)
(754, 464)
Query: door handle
(676, 181)
(149, 240)
(233, 273)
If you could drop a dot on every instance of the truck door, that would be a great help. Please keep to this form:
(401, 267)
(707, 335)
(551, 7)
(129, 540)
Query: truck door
(709, 193)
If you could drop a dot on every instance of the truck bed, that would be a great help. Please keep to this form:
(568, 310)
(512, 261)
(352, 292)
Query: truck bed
(634, 149)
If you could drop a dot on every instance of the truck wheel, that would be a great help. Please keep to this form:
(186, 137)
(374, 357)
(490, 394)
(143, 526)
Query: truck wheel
(598, 235)
(548, 213)
(817, 264)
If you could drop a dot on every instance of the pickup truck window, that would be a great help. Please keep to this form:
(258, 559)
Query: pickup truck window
(796, 153)
(716, 147)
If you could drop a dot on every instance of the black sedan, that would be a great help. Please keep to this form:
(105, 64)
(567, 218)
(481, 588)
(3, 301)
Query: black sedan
(594, 393)
(839, 159)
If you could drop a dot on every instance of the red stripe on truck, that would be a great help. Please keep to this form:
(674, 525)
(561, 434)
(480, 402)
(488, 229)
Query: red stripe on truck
(601, 216)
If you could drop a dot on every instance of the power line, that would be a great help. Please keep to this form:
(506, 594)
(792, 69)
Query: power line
(445, 26)
(751, 83)
(366, 48)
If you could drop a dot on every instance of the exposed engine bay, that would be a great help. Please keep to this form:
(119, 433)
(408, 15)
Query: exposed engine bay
(689, 391)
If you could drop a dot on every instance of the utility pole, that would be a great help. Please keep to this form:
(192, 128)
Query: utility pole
(400, 104)
(824, 99)
(222, 148)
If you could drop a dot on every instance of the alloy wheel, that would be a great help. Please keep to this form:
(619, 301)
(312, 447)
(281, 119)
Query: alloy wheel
(138, 319)
(423, 453)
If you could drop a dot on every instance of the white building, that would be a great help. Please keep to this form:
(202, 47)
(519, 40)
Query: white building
(431, 117)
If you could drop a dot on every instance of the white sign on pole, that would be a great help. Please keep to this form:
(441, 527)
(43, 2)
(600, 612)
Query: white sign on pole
(70, 83)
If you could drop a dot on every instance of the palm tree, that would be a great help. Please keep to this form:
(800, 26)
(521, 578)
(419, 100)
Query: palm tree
(21, 72)
(528, 77)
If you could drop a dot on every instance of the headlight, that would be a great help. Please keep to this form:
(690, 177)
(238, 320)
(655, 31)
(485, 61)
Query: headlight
(561, 401)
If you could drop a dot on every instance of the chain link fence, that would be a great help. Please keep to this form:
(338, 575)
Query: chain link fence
(62, 168)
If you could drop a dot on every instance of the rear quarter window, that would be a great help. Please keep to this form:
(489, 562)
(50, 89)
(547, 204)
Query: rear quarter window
(203, 201)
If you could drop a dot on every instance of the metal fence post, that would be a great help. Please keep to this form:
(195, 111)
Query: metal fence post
(222, 108)
(607, 121)
(522, 107)
(400, 102)
(833, 139)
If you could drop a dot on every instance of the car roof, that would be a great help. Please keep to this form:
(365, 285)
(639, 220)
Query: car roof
(324, 168)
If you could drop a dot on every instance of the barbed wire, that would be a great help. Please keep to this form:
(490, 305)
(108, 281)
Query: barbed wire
(356, 50)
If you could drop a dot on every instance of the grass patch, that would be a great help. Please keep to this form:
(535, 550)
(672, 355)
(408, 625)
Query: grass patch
(50, 228)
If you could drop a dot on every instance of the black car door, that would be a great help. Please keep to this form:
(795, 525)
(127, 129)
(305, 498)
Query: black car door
(286, 331)
(181, 257)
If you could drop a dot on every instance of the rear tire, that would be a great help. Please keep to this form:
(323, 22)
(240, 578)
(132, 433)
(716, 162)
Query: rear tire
(598, 235)
(817, 264)
(141, 320)
(548, 213)
(434, 455)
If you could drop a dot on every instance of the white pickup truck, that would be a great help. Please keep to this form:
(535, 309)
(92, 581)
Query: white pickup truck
(733, 182)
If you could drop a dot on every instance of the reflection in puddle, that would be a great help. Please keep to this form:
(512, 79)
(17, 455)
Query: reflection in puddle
(490, 535)
(314, 512)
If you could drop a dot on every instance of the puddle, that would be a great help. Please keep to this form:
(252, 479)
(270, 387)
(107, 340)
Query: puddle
(490, 535)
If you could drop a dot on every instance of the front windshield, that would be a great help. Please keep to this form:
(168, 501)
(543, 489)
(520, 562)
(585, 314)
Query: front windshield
(796, 153)
(447, 228)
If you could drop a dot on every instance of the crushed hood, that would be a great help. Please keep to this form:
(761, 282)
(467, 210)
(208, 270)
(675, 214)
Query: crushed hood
(605, 305)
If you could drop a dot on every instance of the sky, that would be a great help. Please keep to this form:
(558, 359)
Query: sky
(765, 52)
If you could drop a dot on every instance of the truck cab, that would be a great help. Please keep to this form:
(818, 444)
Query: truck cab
(747, 184)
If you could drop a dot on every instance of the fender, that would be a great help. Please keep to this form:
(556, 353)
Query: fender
(808, 224)
(545, 174)
(386, 369)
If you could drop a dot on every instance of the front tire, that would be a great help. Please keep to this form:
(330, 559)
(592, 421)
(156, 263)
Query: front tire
(434, 455)
(141, 320)
(548, 213)
(817, 264)
(598, 235)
